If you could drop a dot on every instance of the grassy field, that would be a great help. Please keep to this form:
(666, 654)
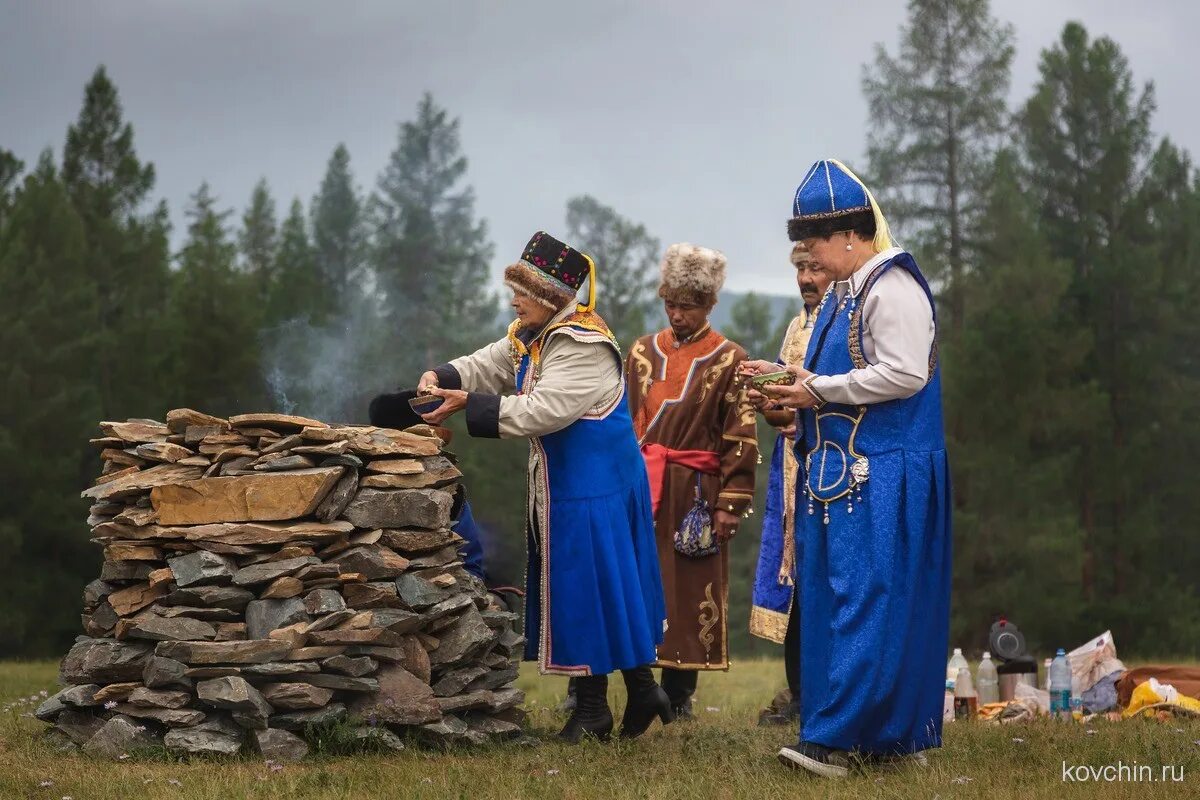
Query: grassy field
(720, 755)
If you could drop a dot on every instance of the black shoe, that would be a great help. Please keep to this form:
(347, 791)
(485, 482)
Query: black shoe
(817, 759)
(647, 700)
(592, 716)
(683, 710)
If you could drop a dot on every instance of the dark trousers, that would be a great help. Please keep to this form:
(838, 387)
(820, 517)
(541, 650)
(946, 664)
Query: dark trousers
(791, 652)
(679, 684)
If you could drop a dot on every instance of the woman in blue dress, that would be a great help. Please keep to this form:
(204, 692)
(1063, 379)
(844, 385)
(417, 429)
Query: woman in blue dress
(594, 598)
(873, 504)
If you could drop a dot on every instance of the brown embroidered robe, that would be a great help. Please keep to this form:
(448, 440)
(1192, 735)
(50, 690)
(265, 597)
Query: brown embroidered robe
(687, 396)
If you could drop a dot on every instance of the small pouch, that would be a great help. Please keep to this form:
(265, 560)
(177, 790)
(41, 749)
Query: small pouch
(695, 537)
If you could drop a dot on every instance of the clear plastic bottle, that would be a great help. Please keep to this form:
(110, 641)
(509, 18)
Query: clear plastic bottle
(966, 702)
(957, 662)
(987, 680)
(1060, 685)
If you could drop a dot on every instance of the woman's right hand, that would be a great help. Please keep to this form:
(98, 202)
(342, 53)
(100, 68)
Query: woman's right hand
(429, 379)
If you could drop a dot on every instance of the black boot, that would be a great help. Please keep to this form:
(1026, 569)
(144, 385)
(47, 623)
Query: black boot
(647, 700)
(680, 685)
(592, 716)
(568, 703)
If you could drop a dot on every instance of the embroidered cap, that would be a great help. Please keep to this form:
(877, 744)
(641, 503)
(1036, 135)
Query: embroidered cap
(830, 192)
(551, 272)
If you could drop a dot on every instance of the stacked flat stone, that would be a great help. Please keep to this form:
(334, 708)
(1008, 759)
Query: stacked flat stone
(268, 573)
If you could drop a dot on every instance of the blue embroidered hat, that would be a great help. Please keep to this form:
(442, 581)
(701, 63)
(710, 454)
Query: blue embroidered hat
(830, 191)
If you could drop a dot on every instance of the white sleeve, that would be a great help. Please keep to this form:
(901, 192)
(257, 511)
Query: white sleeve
(489, 369)
(575, 378)
(898, 333)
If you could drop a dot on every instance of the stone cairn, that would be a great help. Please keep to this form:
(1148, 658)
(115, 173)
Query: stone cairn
(269, 573)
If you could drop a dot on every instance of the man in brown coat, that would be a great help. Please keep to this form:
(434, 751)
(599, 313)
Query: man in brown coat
(697, 433)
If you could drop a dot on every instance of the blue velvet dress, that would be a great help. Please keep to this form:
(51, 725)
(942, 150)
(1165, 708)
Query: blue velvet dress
(873, 516)
(594, 600)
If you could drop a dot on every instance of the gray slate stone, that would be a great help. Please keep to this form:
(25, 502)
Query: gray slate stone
(323, 601)
(299, 720)
(264, 616)
(117, 737)
(80, 696)
(492, 727)
(456, 681)
(79, 726)
(123, 571)
(400, 508)
(397, 620)
(418, 594)
(280, 669)
(279, 745)
(331, 620)
(370, 561)
(342, 682)
(379, 737)
(171, 717)
(354, 667)
(232, 597)
(494, 679)
(161, 673)
(214, 737)
(268, 571)
(253, 651)
(159, 698)
(202, 566)
(95, 592)
(464, 640)
(250, 709)
(103, 661)
(296, 696)
(178, 629)
(339, 497)
(212, 614)
(402, 699)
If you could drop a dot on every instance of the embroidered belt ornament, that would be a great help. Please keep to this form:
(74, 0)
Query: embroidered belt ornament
(854, 469)
(695, 538)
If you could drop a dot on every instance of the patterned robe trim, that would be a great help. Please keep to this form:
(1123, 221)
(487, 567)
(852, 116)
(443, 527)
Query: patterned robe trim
(546, 665)
(768, 624)
(697, 363)
(708, 616)
(585, 327)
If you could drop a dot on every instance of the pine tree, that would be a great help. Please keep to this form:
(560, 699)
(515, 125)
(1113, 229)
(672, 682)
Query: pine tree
(258, 241)
(1086, 137)
(626, 258)
(338, 232)
(937, 114)
(1014, 464)
(214, 304)
(431, 255)
(128, 253)
(10, 170)
(48, 410)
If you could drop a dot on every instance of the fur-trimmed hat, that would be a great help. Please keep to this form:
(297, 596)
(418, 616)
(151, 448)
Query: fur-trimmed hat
(549, 271)
(692, 275)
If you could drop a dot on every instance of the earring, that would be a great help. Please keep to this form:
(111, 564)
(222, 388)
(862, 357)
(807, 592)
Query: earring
(849, 247)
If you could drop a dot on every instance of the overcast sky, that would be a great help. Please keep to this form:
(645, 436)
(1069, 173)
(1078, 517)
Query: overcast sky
(696, 118)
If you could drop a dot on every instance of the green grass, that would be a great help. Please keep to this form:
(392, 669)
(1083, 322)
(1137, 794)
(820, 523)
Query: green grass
(721, 755)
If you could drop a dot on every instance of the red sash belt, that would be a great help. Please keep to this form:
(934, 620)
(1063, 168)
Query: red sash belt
(657, 457)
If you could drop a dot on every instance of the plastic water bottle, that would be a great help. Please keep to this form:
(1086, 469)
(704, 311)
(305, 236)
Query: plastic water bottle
(987, 680)
(1060, 685)
(966, 702)
(957, 662)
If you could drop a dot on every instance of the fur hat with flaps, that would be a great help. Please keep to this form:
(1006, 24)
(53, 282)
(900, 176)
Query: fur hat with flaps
(692, 275)
(550, 272)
